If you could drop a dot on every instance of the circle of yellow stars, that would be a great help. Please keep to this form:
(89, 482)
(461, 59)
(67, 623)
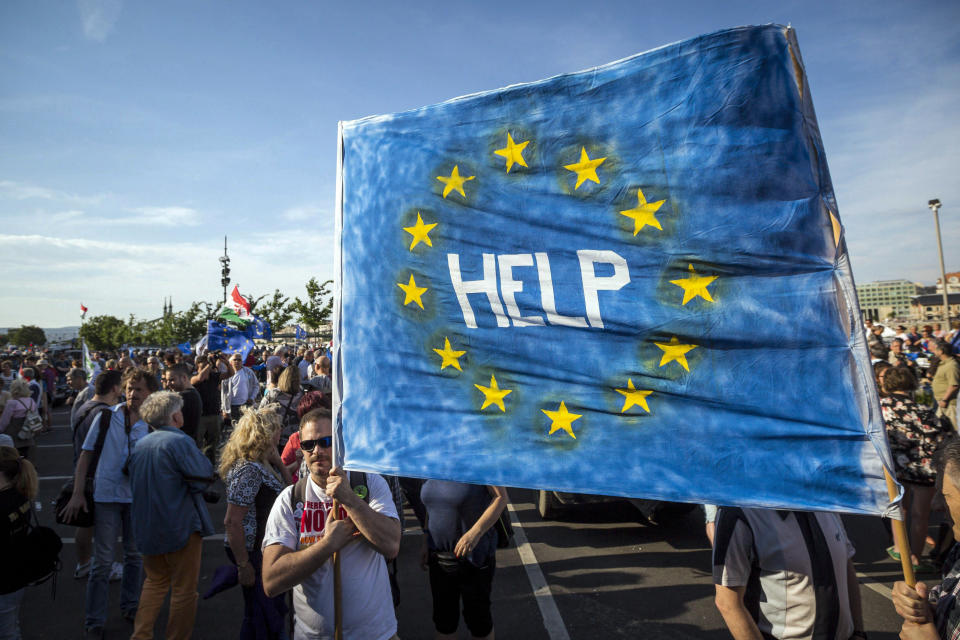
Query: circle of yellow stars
(643, 215)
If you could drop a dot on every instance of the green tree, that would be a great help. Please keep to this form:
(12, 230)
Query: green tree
(157, 333)
(277, 310)
(105, 332)
(316, 308)
(182, 326)
(136, 331)
(253, 302)
(4, 339)
(28, 334)
(190, 325)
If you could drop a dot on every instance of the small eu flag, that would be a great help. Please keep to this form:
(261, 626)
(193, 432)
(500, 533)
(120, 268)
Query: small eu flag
(259, 328)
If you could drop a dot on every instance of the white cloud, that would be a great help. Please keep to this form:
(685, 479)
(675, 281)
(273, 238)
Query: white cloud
(61, 217)
(18, 191)
(99, 17)
(47, 276)
(163, 216)
(303, 212)
(21, 191)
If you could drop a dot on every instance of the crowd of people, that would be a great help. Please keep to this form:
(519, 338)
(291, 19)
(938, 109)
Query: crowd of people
(790, 574)
(153, 432)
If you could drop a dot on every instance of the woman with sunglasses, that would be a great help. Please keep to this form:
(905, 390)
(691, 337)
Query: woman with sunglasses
(253, 474)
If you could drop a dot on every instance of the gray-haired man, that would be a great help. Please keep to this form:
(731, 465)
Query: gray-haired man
(168, 475)
(77, 379)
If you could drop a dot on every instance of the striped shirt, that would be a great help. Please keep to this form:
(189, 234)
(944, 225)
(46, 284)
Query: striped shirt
(794, 567)
(943, 597)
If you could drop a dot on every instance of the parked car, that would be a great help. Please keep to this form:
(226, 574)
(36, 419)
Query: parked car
(552, 505)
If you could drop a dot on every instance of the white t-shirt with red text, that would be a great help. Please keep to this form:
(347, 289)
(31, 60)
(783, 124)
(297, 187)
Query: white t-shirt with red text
(367, 601)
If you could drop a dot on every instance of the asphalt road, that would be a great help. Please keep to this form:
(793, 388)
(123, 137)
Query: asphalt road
(597, 573)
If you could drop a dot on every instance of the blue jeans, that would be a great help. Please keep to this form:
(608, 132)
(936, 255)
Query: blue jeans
(10, 615)
(112, 519)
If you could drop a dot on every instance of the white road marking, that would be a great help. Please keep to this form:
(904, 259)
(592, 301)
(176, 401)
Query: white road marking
(873, 585)
(552, 620)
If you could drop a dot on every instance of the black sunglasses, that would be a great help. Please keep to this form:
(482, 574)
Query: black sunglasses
(309, 445)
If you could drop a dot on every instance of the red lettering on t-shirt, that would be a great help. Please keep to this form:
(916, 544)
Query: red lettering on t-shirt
(314, 521)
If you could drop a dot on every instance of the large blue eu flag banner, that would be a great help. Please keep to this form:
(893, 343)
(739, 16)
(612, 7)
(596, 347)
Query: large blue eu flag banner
(630, 281)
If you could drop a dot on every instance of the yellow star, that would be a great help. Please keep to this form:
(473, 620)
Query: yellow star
(513, 152)
(454, 181)
(633, 396)
(562, 419)
(493, 394)
(644, 214)
(586, 169)
(695, 286)
(674, 350)
(412, 292)
(450, 357)
(420, 232)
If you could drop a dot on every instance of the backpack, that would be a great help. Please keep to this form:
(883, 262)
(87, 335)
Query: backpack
(41, 560)
(34, 557)
(32, 422)
(290, 417)
(358, 482)
(84, 519)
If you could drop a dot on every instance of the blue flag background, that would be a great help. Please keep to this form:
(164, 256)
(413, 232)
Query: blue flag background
(627, 281)
(221, 337)
(259, 328)
(299, 333)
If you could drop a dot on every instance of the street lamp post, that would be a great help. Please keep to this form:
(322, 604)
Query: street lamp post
(225, 267)
(935, 207)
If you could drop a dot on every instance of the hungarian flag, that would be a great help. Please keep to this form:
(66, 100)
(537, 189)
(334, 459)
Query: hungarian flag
(237, 308)
(239, 304)
(83, 311)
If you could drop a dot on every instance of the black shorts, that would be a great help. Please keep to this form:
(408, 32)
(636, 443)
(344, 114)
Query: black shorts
(468, 583)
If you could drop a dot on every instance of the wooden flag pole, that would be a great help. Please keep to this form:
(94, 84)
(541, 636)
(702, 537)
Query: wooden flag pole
(900, 538)
(337, 590)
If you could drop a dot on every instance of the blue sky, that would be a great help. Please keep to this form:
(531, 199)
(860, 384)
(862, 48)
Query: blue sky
(133, 136)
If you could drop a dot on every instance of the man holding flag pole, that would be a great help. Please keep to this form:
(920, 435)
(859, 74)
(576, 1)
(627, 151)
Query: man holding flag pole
(330, 518)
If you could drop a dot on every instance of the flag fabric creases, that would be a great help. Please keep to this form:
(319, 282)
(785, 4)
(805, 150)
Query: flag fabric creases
(220, 337)
(629, 281)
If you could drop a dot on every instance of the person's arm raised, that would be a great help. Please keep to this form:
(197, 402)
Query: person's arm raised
(383, 532)
(203, 372)
(284, 568)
